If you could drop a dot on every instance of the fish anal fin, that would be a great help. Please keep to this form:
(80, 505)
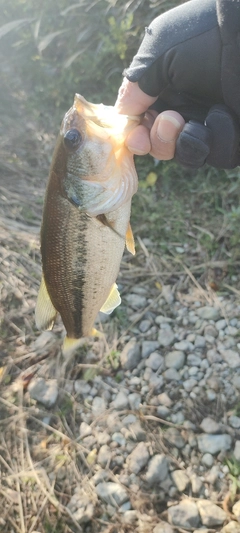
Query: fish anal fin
(130, 244)
(45, 312)
(113, 300)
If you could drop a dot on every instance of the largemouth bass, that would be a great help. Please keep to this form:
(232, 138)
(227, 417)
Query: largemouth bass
(86, 219)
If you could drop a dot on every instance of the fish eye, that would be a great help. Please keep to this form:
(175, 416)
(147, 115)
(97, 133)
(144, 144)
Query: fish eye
(72, 139)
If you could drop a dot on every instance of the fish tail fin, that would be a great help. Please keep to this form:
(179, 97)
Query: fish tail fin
(45, 312)
(69, 345)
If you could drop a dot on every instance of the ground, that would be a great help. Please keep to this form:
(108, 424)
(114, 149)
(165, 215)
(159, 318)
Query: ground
(186, 260)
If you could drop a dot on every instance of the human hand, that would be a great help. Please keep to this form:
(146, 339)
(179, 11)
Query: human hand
(157, 134)
(179, 66)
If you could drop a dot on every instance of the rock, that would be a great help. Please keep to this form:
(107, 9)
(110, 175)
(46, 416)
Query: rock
(163, 527)
(167, 294)
(81, 507)
(221, 324)
(171, 374)
(231, 527)
(163, 412)
(193, 360)
(181, 479)
(164, 399)
(213, 356)
(98, 406)
(200, 342)
(144, 326)
(208, 313)
(137, 432)
(136, 300)
(197, 484)
(207, 459)
(130, 517)
(119, 438)
(166, 337)
(134, 401)
(104, 455)
(234, 421)
(81, 387)
(189, 384)
(138, 458)
(231, 357)
(44, 341)
(131, 355)
(213, 475)
(211, 514)
(174, 437)
(157, 469)
(185, 514)
(121, 401)
(155, 383)
(155, 361)
(112, 493)
(184, 346)
(236, 452)
(211, 331)
(175, 359)
(103, 438)
(214, 443)
(236, 510)
(44, 391)
(85, 430)
(208, 425)
(148, 347)
(236, 382)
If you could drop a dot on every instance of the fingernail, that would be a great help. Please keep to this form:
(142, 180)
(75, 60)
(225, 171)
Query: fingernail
(136, 150)
(166, 130)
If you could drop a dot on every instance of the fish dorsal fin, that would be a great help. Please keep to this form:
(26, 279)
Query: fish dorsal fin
(113, 300)
(45, 312)
(130, 244)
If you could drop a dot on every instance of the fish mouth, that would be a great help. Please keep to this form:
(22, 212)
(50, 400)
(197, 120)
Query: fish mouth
(105, 117)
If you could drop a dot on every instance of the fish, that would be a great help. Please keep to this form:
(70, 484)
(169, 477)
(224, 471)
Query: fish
(86, 219)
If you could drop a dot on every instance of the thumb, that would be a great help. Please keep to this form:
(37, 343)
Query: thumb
(132, 100)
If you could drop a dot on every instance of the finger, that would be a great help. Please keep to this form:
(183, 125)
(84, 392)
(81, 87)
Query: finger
(164, 134)
(138, 140)
(132, 100)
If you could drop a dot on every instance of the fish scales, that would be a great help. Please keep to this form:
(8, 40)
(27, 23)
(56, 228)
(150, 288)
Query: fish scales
(85, 219)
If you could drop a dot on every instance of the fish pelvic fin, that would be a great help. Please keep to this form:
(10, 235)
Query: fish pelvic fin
(130, 244)
(112, 301)
(45, 312)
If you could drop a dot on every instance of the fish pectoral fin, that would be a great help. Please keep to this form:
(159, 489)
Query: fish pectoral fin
(113, 300)
(130, 244)
(45, 312)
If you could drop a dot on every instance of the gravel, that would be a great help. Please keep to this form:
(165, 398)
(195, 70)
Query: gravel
(157, 430)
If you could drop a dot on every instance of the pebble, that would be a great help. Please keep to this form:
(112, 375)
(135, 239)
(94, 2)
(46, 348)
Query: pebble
(234, 421)
(194, 360)
(157, 469)
(210, 513)
(208, 313)
(44, 391)
(119, 438)
(236, 452)
(130, 517)
(98, 406)
(231, 357)
(164, 399)
(180, 479)
(148, 347)
(130, 355)
(104, 455)
(175, 359)
(200, 342)
(214, 443)
(81, 506)
(208, 425)
(184, 515)
(207, 459)
(134, 401)
(138, 458)
(174, 437)
(171, 374)
(166, 337)
(167, 294)
(155, 361)
(144, 326)
(81, 387)
(112, 493)
(184, 346)
(197, 484)
(121, 401)
(136, 300)
(236, 510)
